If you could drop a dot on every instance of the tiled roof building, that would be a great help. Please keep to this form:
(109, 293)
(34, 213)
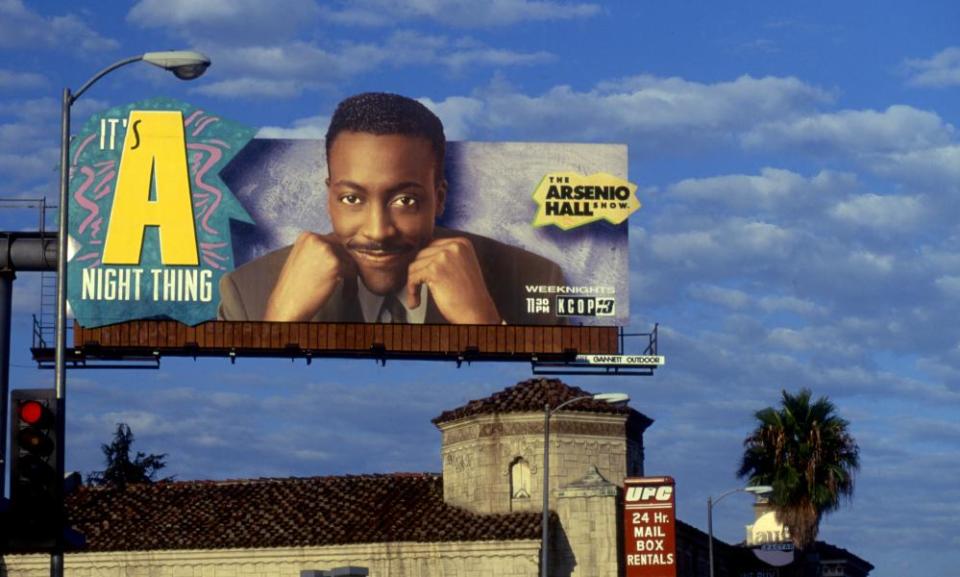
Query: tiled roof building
(293, 512)
(530, 396)
(480, 518)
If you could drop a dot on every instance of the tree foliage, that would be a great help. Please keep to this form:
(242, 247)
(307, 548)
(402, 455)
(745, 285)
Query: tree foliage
(805, 451)
(121, 469)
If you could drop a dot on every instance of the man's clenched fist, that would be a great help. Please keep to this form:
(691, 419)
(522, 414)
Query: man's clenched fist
(449, 267)
(316, 265)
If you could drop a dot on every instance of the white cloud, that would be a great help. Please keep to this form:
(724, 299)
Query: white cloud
(13, 80)
(406, 47)
(457, 114)
(941, 70)
(29, 148)
(950, 285)
(313, 127)
(869, 263)
(482, 56)
(22, 28)
(790, 304)
(774, 189)
(936, 167)
(246, 87)
(898, 128)
(736, 240)
(882, 213)
(729, 298)
(462, 13)
(288, 69)
(234, 21)
(24, 167)
(289, 61)
(650, 111)
(141, 422)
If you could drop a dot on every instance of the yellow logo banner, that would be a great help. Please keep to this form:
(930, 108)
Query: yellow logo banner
(569, 200)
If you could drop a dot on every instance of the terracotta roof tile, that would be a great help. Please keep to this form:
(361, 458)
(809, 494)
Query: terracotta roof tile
(283, 513)
(530, 396)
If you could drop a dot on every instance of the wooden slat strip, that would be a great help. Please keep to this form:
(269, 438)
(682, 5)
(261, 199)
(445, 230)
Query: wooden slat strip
(445, 332)
(359, 337)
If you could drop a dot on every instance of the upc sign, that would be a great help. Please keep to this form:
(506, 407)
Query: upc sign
(650, 542)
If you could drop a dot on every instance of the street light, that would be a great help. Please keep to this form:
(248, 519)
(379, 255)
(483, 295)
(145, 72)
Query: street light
(758, 490)
(186, 65)
(611, 398)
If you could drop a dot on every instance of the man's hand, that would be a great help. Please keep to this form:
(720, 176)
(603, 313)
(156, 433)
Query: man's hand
(315, 266)
(449, 267)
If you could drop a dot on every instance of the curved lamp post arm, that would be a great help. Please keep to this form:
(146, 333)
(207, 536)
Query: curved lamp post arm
(759, 490)
(102, 73)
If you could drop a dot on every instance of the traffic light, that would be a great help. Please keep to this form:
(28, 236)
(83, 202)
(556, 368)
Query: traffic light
(35, 484)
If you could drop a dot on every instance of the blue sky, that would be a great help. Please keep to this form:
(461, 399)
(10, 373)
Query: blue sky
(796, 163)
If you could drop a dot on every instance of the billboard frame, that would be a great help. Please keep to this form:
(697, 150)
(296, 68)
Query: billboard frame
(549, 350)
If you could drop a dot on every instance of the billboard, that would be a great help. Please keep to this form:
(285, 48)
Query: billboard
(650, 526)
(178, 214)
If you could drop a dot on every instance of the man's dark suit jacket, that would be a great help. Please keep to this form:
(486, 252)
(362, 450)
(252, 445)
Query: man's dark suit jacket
(506, 270)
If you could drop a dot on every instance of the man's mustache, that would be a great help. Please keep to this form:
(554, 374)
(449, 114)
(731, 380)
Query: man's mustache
(379, 247)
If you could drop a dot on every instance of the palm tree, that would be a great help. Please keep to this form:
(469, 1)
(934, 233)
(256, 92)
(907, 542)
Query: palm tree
(807, 454)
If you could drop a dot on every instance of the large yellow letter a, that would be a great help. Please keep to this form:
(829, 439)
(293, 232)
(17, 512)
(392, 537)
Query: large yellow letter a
(154, 153)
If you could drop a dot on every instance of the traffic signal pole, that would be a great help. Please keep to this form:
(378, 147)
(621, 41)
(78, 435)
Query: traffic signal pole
(6, 306)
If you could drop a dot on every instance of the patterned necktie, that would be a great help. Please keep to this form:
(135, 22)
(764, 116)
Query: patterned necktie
(392, 310)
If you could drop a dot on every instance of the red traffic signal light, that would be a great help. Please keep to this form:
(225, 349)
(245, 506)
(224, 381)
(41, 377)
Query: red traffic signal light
(32, 412)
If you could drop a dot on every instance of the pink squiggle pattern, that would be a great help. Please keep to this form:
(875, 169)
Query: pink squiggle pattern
(204, 123)
(95, 227)
(215, 156)
(209, 259)
(106, 168)
(103, 189)
(218, 142)
(201, 198)
(86, 141)
(189, 120)
(89, 205)
(87, 256)
(214, 255)
(210, 256)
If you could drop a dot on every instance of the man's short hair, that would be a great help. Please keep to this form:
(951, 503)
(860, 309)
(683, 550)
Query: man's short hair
(383, 113)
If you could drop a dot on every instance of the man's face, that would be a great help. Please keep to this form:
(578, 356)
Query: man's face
(383, 199)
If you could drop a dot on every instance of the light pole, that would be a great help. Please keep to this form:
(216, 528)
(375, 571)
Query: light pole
(611, 398)
(759, 490)
(184, 64)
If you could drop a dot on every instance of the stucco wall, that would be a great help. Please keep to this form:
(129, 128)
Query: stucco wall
(587, 543)
(464, 559)
(477, 453)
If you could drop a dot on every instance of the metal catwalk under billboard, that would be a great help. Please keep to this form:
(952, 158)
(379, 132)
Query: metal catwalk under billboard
(177, 213)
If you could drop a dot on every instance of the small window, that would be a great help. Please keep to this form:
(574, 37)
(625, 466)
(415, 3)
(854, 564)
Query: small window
(520, 479)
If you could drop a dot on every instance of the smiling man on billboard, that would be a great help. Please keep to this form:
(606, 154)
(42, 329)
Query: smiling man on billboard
(386, 260)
